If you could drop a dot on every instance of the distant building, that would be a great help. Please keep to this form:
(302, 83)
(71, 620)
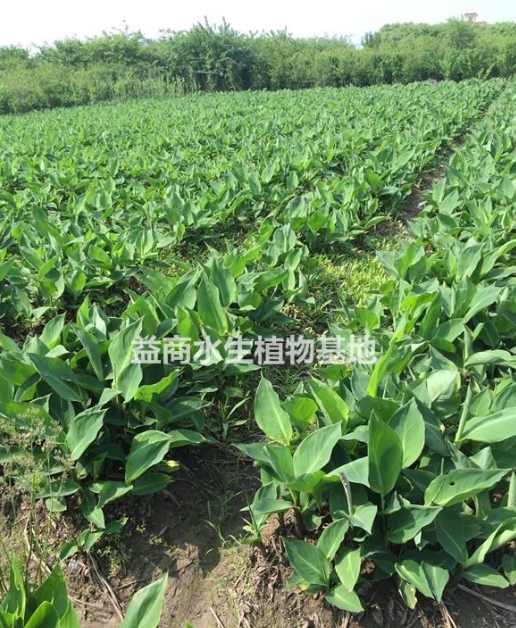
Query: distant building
(472, 19)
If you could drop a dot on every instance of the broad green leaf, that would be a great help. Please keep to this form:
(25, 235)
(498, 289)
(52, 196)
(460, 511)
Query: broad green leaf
(129, 380)
(356, 471)
(8, 620)
(315, 450)
(121, 349)
(186, 325)
(109, 491)
(52, 331)
(150, 483)
(460, 485)
(437, 578)
(83, 431)
(58, 375)
(301, 410)
(45, 616)
(497, 357)
(53, 590)
(308, 562)
(91, 510)
(385, 456)
(180, 438)
(271, 278)
(15, 600)
(427, 579)
(225, 283)
(443, 390)
(485, 297)
(409, 425)
(144, 610)
(374, 181)
(509, 567)
(55, 504)
(268, 506)
(270, 416)
(332, 537)
(69, 619)
(347, 567)
(408, 593)
(279, 458)
(412, 572)
(494, 428)
(364, 517)
(147, 392)
(332, 406)
(91, 346)
(57, 488)
(344, 599)
(503, 534)
(485, 576)
(469, 260)
(381, 366)
(210, 308)
(407, 522)
(449, 529)
(147, 449)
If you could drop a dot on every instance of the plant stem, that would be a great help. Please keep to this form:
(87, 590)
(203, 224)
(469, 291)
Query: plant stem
(299, 523)
(463, 416)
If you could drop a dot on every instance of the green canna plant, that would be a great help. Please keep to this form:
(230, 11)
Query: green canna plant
(85, 207)
(410, 464)
(24, 606)
(96, 222)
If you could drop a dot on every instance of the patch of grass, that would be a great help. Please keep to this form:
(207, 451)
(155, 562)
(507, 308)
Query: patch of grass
(350, 278)
(342, 276)
(192, 250)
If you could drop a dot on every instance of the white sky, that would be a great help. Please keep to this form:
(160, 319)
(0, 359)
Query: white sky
(37, 21)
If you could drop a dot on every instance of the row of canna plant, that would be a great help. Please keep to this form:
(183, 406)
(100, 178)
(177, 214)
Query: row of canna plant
(407, 466)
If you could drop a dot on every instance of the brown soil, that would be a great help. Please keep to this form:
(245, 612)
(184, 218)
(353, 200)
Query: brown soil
(192, 531)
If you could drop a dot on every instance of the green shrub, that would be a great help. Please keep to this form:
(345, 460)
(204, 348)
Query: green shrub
(48, 605)
(124, 65)
(410, 463)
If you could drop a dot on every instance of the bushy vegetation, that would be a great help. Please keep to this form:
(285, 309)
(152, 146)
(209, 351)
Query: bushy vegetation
(217, 58)
(408, 465)
(23, 605)
(86, 232)
(130, 222)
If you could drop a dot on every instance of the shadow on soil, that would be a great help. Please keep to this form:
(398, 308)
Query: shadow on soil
(193, 531)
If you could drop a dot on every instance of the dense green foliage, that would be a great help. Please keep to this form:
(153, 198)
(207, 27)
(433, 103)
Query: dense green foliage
(95, 204)
(409, 464)
(207, 58)
(202, 217)
(48, 606)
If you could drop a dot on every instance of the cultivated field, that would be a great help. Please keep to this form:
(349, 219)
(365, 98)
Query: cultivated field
(269, 335)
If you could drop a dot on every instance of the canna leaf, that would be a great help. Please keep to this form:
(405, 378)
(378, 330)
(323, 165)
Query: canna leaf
(385, 457)
(270, 416)
(315, 450)
(308, 562)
